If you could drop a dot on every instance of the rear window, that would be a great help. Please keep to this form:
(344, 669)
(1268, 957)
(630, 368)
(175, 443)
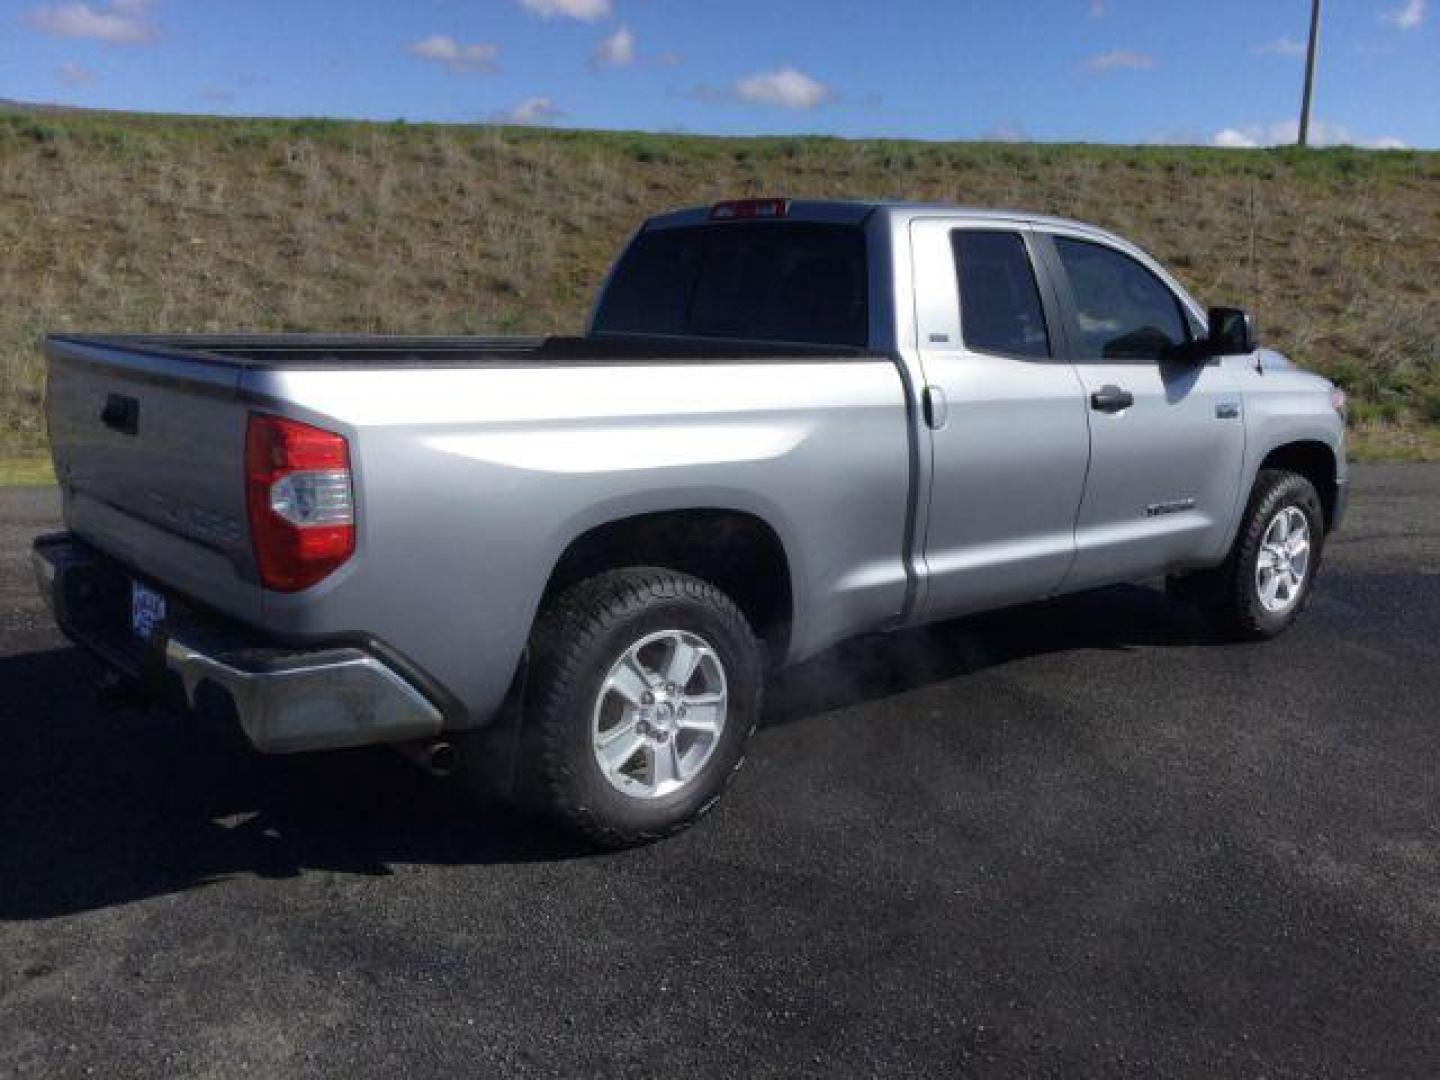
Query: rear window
(766, 281)
(1000, 309)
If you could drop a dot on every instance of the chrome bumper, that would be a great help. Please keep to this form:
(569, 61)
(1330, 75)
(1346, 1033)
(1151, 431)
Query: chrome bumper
(348, 698)
(285, 701)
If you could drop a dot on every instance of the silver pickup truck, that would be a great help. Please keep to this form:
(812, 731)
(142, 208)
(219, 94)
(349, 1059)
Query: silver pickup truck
(560, 568)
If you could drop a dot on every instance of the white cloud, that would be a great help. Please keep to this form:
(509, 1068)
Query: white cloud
(535, 110)
(120, 22)
(584, 10)
(1120, 60)
(617, 50)
(785, 88)
(1005, 131)
(1285, 132)
(1235, 139)
(1408, 17)
(1098, 9)
(481, 57)
(1174, 137)
(72, 74)
(1283, 46)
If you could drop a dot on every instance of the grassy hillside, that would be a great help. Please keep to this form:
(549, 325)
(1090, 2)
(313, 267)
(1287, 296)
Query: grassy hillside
(157, 223)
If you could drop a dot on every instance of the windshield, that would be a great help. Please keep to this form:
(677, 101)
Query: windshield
(764, 281)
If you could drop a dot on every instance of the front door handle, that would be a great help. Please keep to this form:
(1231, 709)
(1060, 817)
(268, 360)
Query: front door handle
(1111, 399)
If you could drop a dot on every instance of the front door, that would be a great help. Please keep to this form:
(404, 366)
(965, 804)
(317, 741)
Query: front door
(1167, 436)
(1005, 415)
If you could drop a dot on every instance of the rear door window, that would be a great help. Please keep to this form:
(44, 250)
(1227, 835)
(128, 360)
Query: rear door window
(772, 281)
(1000, 308)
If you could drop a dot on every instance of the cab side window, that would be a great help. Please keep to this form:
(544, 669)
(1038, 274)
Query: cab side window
(1125, 312)
(1000, 310)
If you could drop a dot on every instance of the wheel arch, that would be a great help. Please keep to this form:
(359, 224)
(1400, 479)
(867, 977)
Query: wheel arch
(736, 551)
(1314, 460)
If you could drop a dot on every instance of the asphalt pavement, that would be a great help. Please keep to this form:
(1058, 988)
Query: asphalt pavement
(1075, 839)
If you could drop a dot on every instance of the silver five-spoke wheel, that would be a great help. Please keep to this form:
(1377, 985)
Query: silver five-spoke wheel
(1284, 559)
(659, 714)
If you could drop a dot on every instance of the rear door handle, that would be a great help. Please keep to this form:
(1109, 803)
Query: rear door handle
(1111, 399)
(935, 407)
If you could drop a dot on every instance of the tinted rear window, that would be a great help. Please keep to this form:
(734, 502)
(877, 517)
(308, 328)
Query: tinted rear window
(771, 281)
(1000, 309)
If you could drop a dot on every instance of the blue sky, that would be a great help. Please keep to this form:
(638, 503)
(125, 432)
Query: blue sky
(1120, 71)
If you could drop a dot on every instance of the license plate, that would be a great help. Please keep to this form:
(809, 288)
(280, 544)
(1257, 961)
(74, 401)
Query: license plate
(147, 610)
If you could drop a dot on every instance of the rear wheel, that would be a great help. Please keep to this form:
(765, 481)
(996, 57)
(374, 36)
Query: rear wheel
(1265, 582)
(644, 689)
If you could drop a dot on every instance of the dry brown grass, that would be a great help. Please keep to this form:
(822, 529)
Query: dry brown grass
(134, 223)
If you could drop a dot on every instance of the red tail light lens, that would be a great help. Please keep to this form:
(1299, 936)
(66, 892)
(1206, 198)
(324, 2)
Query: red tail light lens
(747, 209)
(299, 499)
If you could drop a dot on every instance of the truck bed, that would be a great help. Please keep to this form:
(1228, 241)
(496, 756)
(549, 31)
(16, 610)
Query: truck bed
(255, 352)
(476, 461)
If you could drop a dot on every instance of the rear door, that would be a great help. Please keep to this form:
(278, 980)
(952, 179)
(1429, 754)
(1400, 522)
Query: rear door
(1167, 437)
(1006, 418)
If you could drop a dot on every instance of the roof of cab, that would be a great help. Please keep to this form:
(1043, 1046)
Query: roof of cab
(853, 212)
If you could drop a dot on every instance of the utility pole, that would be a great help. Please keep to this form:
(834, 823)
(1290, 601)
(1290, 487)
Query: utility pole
(1310, 72)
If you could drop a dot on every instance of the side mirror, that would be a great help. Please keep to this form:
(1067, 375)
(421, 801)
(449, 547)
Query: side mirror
(1232, 332)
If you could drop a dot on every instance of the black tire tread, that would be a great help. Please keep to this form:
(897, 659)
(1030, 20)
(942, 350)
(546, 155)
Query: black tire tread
(1227, 595)
(566, 632)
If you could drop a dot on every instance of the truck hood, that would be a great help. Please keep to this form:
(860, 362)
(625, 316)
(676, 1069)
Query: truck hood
(1270, 360)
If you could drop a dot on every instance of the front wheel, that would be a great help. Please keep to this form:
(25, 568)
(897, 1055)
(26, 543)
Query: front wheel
(644, 689)
(1264, 584)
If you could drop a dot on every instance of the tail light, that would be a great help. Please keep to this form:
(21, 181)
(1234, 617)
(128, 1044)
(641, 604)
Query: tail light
(746, 209)
(298, 495)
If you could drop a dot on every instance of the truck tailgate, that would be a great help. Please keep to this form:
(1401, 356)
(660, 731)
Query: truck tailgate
(150, 448)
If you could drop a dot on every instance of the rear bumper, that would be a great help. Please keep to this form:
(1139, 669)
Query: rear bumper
(284, 700)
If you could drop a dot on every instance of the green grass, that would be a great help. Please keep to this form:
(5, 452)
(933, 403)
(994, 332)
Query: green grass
(1395, 443)
(134, 223)
(25, 471)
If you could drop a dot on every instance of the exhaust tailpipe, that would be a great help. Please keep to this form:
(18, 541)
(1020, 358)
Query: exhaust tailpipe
(438, 758)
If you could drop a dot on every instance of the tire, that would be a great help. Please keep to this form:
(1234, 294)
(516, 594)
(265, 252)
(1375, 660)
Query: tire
(1234, 594)
(593, 648)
